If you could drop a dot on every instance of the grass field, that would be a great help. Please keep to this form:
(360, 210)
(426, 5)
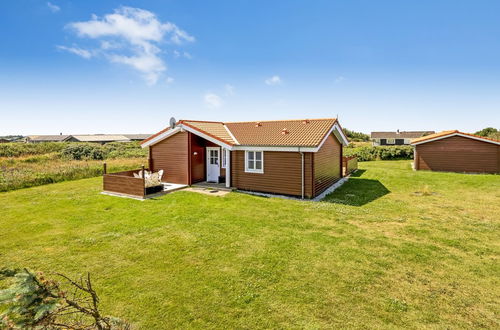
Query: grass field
(391, 248)
(25, 165)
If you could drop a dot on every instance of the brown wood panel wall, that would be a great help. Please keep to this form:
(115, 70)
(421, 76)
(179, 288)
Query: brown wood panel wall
(282, 173)
(458, 154)
(171, 156)
(327, 164)
(123, 184)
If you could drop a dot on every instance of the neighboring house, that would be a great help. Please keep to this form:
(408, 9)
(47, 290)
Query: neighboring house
(47, 138)
(136, 137)
(289, 157)
(99, 138)
(455, 151)
(95, 138)
(2, 140)
(396, 138)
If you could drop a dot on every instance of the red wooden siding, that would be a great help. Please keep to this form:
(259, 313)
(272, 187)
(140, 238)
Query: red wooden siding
(458, 154)
(198, 161)
(171, 156)
(282, 173)
(327, 165)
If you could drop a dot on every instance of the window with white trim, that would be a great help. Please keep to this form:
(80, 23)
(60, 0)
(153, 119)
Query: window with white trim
(254, 161)
(224, 159)
(390, 141)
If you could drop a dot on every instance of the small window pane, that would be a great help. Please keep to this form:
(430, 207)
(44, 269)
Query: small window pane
(251, 164)
(258, 155)
(250, 155)
(258, 165)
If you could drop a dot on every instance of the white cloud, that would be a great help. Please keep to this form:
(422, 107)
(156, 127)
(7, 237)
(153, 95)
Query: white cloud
(178, 54)
(132, 36)
(229, 90)
(339, 79)
(213, 101)
(77, 51)
(274, 80)
(169, 80)
(53, 8)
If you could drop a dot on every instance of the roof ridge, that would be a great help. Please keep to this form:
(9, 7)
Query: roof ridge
(401, 131)
(267, 121)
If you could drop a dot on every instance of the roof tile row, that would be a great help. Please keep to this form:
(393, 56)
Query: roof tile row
(285, 133)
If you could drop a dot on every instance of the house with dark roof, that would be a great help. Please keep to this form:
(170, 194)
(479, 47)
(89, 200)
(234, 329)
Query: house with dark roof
(396, 138)
(95, 138)
(136, 137)
(47, 138)
(289, 157)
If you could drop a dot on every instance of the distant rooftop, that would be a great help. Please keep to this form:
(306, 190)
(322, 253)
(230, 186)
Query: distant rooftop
(48, 138)
(88, 138)
(400, 134)
(100, 138)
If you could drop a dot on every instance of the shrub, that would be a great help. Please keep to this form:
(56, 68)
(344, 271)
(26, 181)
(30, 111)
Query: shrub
(356, 136)
(33, 301)
(26, 149)
(124, 150)
(380, 153)
(82, 151)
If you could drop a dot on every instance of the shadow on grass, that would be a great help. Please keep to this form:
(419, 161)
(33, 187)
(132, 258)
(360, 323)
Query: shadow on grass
(358, 173)
(357, 192)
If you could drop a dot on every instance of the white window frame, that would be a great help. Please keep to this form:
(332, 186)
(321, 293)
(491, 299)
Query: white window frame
(223, 157)
(393, 141)
(254, 170)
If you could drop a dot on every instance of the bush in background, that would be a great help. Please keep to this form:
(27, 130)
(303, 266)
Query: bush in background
(356, 136)
(489, 132)
(25, 165)
(380, 153)
(82, 151)
(124, 150)
(27, 149)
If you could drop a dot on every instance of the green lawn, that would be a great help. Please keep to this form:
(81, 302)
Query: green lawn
(391, 248)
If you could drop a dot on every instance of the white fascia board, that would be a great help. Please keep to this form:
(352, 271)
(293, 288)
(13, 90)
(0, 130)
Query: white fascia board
(339, 134)
(343, 139)
(231, 134)
(270, 148)
(161, 137)
(455, 134)
(206, 137)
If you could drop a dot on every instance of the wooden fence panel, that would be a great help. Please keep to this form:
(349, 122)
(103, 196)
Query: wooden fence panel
(124, 183)
(349, 165)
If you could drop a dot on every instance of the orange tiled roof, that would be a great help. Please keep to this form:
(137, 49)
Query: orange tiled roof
(283, 133)
(286, 133)
(446, 133)
(214, 129)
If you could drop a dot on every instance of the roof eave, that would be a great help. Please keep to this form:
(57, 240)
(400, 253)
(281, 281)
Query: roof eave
(473, 137)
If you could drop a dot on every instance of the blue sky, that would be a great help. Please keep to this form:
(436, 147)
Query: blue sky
(128, 66)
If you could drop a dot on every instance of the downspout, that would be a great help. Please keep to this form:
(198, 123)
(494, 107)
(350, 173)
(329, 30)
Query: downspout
(302, 156)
